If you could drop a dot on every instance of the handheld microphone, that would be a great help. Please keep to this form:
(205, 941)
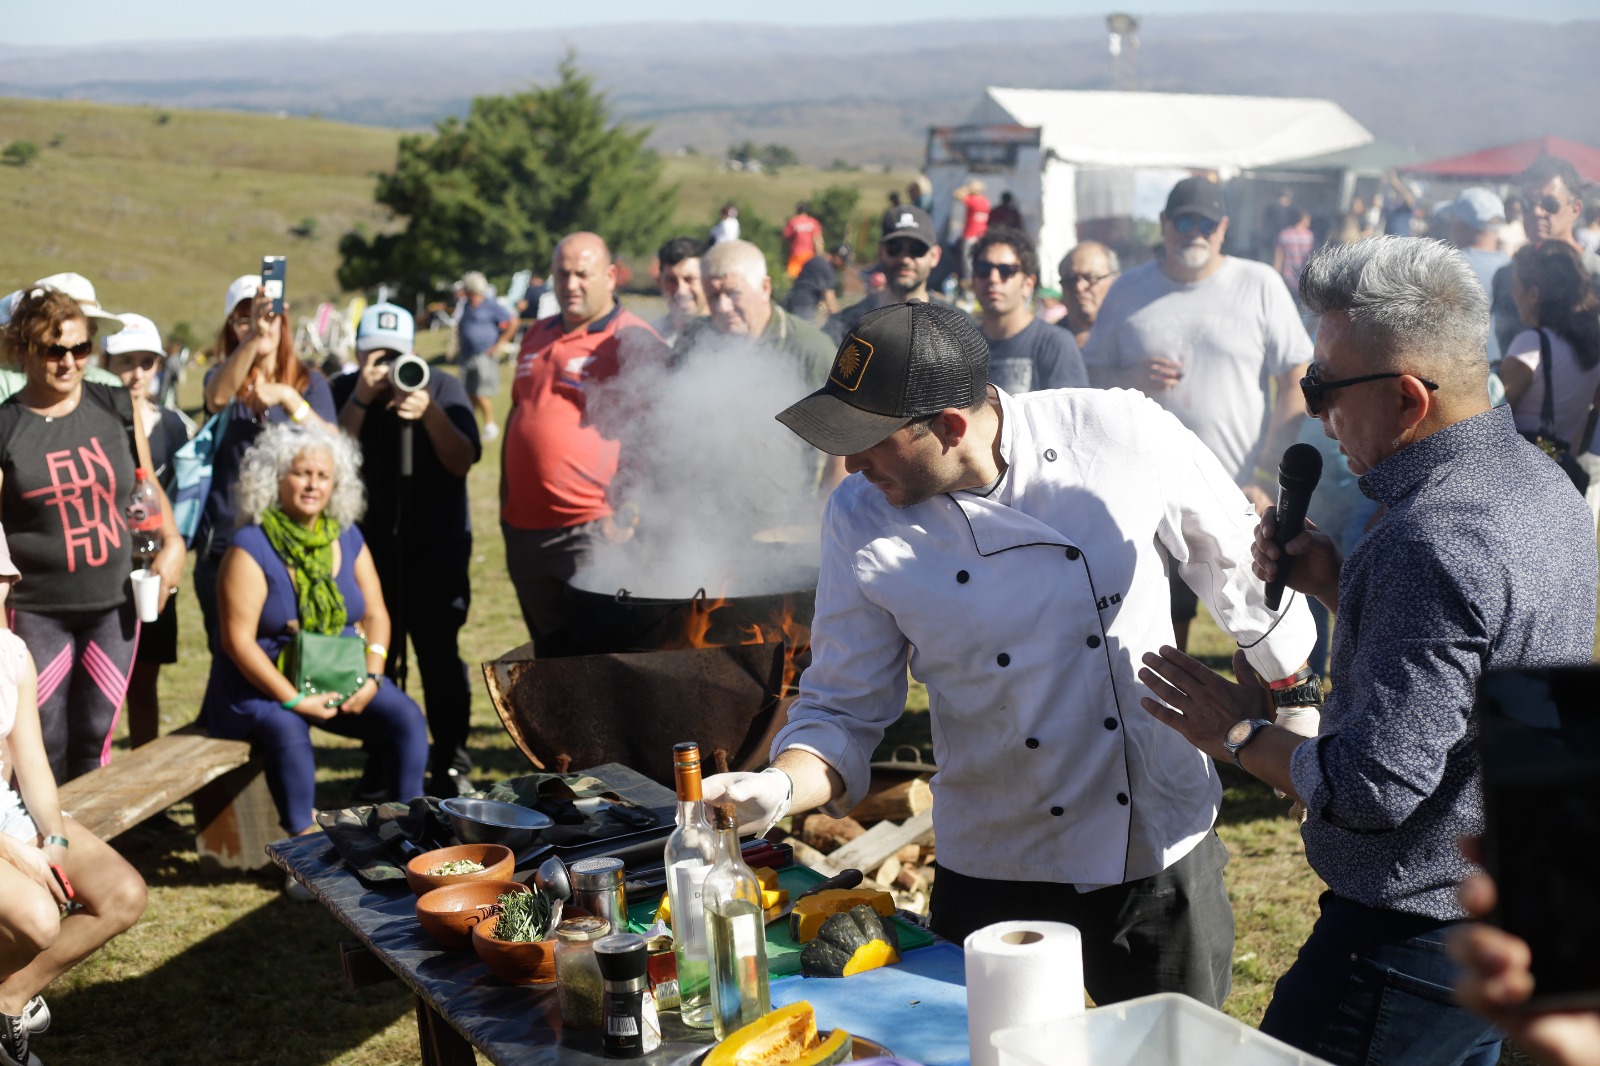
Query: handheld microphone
(1298, 474)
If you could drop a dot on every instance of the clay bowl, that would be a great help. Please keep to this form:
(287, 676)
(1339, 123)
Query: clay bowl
(498, 865)
(448, 914)
(516, 964)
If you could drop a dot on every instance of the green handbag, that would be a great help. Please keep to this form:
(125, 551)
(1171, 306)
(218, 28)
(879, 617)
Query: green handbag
(316, 662)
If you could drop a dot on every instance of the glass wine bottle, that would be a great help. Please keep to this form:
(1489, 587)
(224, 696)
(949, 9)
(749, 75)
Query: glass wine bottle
(690, 854)
(737, 931)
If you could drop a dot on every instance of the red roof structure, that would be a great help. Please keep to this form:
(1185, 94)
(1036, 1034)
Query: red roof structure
(1509, 160)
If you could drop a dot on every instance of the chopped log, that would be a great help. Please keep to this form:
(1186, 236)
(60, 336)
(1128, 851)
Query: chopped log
(910, 855)
(886, 873)
(894, 800)
(868, 851)
(826, 834)
(910, 879)
(806, 855)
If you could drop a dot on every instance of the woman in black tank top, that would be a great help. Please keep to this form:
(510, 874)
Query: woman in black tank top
(68, 449)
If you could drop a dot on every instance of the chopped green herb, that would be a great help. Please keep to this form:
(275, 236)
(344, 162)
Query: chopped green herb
(524, 916)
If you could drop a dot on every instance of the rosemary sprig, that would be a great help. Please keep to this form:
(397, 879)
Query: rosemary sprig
(524, 916)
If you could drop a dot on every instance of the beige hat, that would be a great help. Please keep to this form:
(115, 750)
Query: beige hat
(82, 290)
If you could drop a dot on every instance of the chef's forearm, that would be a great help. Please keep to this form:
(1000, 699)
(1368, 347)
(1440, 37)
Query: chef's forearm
(815, 782)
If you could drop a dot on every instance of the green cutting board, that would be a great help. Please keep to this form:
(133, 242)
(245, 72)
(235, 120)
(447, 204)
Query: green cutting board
(783, 954)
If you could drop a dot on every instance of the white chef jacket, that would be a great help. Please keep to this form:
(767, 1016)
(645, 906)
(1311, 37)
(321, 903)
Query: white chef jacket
(1026, 613)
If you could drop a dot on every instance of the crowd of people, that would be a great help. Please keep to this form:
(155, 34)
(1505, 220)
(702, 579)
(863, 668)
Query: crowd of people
(1067, 488)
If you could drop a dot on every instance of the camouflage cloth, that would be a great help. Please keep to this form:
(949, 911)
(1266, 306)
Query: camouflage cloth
(368, 838)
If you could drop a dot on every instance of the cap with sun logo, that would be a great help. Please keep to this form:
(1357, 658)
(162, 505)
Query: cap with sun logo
(898, 364)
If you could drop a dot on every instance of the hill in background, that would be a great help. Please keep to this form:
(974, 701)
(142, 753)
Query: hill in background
(161, 208)
(1435, 84)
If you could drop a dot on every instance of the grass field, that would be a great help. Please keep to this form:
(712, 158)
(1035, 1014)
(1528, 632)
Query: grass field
(161, 210)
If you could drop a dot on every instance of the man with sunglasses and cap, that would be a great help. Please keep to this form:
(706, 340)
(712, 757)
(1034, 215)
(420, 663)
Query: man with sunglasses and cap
(1013, 551)
(1484, 558)
(1552, 194)
(908, 252)
(419, 528)
(1210, 337)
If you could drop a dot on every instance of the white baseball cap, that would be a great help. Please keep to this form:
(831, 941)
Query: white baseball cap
(82, 290)
(386, 326)
(244, 287)
(138, 334)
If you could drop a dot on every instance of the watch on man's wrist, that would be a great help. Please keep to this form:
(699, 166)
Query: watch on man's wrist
(1305, 692)
(1241, 733)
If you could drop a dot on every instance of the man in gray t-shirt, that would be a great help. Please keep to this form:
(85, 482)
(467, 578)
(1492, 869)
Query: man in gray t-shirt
(1026, 354)
(1207, 336)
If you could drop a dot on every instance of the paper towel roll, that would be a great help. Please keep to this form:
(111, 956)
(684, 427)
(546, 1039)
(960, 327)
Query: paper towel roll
(1020, 974)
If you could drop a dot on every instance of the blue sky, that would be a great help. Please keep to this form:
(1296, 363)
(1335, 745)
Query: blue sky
(102, 21)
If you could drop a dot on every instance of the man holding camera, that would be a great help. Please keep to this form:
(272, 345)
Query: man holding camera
(418, 524)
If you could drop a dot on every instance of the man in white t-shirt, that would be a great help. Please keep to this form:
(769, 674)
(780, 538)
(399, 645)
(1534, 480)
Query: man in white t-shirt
(1214, 339)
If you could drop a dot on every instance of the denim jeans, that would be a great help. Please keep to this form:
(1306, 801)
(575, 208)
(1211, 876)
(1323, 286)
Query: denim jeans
(1373, 987)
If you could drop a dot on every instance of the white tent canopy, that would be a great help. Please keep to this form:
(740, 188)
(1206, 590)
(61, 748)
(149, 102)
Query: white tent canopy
(1174, 130)
(1091, 143)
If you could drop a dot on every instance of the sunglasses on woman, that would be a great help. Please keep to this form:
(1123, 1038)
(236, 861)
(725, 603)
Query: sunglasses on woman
(147, 361)
(61, 351)
(1316, 390)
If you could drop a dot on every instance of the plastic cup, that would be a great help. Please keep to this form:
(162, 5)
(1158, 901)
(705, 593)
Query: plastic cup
(147, 594)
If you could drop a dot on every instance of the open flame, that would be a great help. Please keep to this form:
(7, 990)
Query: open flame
(700, 630)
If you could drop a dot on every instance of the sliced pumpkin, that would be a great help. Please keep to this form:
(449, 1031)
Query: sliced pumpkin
(811, 911)
(851, 943)
(786, 1037)
(767, 876)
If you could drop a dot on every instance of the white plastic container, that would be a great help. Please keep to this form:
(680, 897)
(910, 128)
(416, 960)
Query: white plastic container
(1162, 1030)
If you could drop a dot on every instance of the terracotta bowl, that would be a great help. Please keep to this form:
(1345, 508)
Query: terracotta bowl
(516, 964)
(448, 914)
(498, 865)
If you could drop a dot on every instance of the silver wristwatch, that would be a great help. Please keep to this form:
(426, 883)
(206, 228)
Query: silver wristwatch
(1241, 733)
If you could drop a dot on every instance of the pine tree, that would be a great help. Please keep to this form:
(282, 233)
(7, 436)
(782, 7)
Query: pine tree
(497, 191)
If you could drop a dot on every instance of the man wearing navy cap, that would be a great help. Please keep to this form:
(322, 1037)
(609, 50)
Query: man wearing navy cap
(1013, 551)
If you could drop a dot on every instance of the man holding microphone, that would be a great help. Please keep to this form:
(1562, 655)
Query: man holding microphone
(1014, 551)
(418, 525)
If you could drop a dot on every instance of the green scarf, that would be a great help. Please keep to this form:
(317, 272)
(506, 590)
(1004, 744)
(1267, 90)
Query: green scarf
(308, 553)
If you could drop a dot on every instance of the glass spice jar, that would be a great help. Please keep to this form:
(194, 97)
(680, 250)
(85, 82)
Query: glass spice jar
(578, 984)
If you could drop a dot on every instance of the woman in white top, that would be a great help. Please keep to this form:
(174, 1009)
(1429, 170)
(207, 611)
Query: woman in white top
(1554, 297)
(40, 937)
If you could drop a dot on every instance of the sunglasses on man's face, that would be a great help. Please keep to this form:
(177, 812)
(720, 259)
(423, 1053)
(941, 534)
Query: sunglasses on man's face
(1548, 204)
(901, 247)
(1190, 223)
(1087, 280)
(983, 268)
(61, 351)
(1315, 390)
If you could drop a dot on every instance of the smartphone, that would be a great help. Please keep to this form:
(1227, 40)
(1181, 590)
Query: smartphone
(1539, 739)
(61, 879)
(274, 269)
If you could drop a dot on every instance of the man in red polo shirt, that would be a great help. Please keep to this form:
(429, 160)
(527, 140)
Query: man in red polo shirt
(555, 466)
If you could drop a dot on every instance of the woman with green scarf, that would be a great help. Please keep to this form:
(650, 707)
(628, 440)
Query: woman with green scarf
(298, 564)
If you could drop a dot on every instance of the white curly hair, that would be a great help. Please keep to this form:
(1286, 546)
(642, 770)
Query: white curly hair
(267, 461)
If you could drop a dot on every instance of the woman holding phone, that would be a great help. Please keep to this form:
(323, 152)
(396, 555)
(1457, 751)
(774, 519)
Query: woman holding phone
(261, 382)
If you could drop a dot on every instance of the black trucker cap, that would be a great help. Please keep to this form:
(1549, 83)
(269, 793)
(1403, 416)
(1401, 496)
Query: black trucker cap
(1197, 196)
(898, 364)
(909, 221)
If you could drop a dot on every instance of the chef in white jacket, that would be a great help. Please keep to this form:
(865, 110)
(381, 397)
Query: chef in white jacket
(1013, 550)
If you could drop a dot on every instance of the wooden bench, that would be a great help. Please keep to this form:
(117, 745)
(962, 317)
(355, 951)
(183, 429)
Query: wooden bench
(234, 815)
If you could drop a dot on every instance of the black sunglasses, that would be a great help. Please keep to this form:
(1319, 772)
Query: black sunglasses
(147, 361)
(981, 268)
(1091, 280)
(1190, 223)
(1315, 390)
(899, 247)
(61, 351)
(1548, 204)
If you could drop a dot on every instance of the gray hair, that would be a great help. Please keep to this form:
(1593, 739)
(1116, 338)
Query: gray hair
(734, 257)
(1409, 299)
(275, 450)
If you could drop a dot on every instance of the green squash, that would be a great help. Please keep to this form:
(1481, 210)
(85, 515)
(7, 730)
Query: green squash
(850, 943)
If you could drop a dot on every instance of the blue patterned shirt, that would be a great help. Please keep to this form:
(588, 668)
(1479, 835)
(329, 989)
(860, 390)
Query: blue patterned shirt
(1485, 559)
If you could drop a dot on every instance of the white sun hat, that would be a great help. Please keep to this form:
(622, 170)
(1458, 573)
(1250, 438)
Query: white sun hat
(82, 290)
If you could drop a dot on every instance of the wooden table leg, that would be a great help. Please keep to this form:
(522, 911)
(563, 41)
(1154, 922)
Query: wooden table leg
(441, 1045)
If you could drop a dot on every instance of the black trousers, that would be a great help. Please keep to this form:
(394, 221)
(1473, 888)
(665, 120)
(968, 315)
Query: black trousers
(1171, 932)
(433, 584)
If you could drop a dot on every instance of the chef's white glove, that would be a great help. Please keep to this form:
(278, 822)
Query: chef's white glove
(1303, 721)
(761, 799)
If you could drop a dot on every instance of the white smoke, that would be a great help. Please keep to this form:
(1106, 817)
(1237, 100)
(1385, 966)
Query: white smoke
(719, 495)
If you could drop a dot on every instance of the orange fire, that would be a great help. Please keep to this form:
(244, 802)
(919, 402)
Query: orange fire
(697, 633)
